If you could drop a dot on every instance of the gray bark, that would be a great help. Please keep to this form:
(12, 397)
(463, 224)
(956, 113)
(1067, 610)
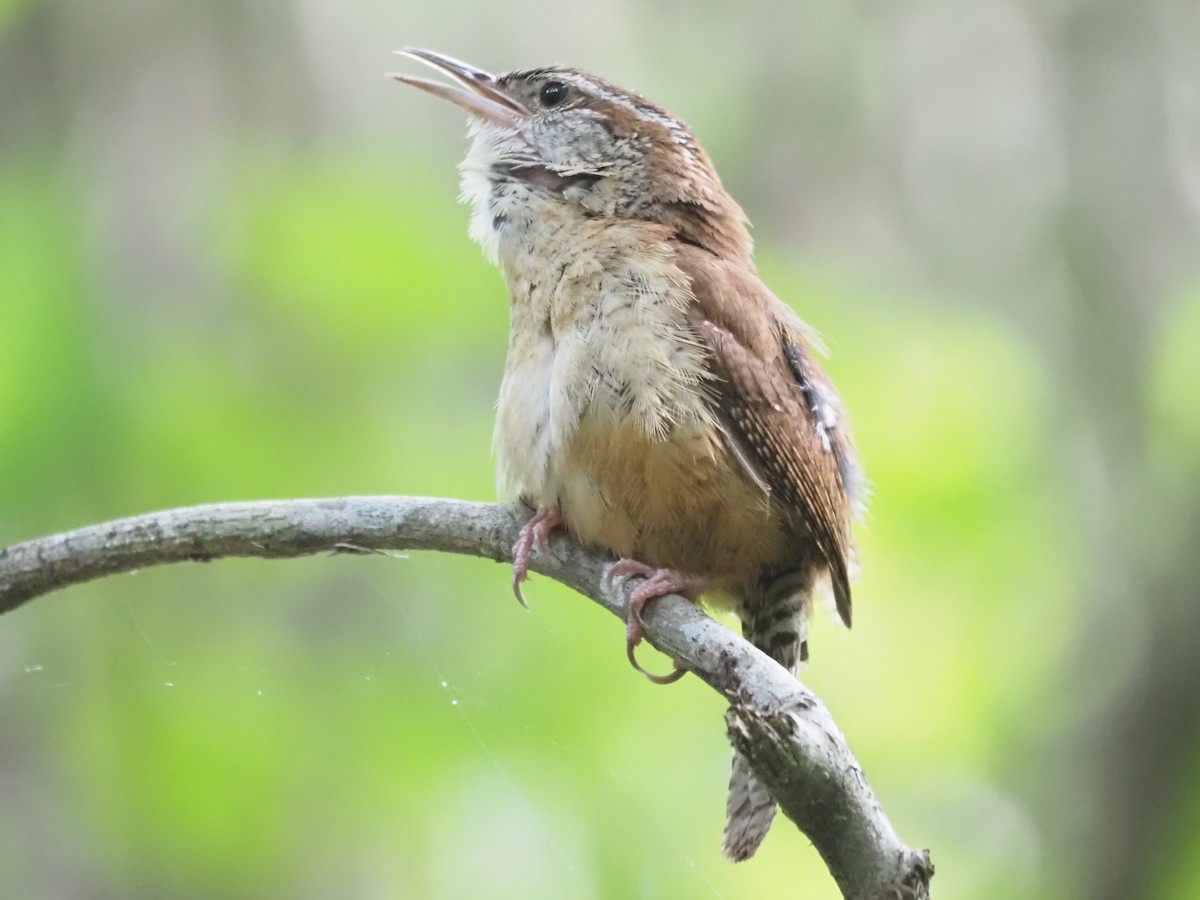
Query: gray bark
(782, 728)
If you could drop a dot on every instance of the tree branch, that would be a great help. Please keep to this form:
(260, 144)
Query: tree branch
(779, 725)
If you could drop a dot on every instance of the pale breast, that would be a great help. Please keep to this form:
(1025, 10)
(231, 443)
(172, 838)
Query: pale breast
(523, 441)
(597, 329)
(603, 408)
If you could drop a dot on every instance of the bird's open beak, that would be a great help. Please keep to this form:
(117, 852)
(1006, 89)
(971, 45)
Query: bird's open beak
(479, 94)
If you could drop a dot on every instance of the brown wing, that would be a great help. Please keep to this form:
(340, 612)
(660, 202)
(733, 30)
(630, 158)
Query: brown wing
(778, 408)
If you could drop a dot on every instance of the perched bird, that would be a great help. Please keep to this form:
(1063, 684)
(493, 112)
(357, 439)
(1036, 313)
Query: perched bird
(658, 401)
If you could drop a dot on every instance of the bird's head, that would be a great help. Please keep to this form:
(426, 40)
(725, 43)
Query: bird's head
(563, 135)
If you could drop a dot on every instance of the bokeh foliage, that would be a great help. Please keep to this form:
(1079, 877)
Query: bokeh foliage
(222, 278)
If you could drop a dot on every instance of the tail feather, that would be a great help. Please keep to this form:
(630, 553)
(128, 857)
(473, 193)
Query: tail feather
(776, 621)
(748, 812)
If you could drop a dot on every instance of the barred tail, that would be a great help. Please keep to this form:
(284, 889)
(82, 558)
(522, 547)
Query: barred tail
(749, 812)
(775, 620)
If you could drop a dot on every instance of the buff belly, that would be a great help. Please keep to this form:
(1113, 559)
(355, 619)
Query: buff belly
(679, 502)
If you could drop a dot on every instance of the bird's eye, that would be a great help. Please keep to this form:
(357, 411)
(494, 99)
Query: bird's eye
(553, 93)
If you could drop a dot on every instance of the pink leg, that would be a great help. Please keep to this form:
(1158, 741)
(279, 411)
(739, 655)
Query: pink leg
(657, 583)
(533, 536)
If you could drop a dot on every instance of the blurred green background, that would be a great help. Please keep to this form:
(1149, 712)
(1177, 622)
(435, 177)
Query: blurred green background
(232, 267)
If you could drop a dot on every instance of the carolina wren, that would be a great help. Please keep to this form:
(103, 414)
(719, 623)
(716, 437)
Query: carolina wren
(658, 401)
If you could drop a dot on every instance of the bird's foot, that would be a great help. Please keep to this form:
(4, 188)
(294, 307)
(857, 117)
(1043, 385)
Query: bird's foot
(533, 536)
(656, 583)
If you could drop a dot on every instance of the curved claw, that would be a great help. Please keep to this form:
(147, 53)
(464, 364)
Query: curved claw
(657, 583)
(519, 575)
(533, 536)
(632, 639)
